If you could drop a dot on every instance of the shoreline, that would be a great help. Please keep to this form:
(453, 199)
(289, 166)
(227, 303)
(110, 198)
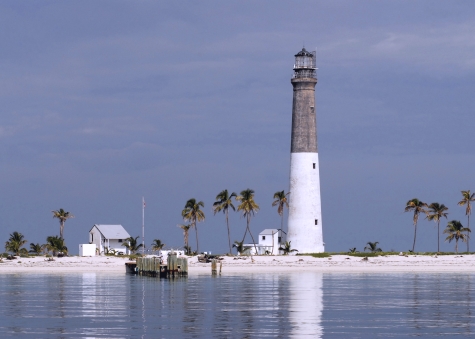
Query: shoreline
(258, 265)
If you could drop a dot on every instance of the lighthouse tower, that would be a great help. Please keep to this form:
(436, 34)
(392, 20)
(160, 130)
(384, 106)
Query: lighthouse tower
(305, 213)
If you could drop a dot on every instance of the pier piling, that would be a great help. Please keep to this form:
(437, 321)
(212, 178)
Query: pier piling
(154, 267)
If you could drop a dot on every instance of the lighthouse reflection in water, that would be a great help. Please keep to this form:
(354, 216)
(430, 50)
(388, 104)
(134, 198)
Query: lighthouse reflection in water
(306, 304)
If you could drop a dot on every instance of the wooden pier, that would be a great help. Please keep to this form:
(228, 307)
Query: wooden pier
(153, 267)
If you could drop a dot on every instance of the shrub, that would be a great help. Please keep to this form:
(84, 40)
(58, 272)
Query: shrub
(134, 256)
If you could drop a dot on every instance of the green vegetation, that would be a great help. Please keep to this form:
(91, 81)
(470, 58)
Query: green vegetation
(467, 198)
(111, 252)
(188, 250)
(132, 244)
(223, 203)
(436, 212)
(56, 245)
(134, 256)
(281, 200)
(239, 246)
(37, 248)
(372, 247)
(15, 243)
(157, 245)
(62, 215)
(249, 208)
(417, 207)
(455, 231)
(287, 248)
(194, 214)
(186, 231)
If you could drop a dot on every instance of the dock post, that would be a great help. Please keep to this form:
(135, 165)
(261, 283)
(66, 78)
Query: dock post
(172, 265)
(214, 267)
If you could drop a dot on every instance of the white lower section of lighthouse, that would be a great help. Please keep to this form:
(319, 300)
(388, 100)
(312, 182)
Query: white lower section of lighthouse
(305, 211)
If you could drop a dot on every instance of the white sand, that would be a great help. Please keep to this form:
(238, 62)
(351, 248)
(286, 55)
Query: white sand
(261, 264)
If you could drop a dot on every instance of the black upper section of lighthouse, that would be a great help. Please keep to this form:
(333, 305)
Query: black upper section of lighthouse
(304, 122)
(305, 64)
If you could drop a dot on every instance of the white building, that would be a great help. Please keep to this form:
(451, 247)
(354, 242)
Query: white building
(164, 253)
(108, 237)
(87, 250)
(268, 243)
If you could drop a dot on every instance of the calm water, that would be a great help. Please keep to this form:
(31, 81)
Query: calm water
(305, 305)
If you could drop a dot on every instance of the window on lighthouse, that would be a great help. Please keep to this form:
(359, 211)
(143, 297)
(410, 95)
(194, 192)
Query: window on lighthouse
(314, 165)
(316, 221)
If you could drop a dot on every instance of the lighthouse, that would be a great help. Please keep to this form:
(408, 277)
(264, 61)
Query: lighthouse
(305, 212)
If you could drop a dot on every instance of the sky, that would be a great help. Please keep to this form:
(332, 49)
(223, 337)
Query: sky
(103, 103)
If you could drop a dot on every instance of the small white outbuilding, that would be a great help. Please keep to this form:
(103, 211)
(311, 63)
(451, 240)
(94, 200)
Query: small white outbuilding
(268, 243)
(87, 250)
(108, 237)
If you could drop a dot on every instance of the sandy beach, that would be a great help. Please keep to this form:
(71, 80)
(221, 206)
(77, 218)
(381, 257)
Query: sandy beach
(260, 264)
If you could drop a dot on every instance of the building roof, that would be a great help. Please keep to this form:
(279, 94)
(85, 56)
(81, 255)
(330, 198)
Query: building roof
(269, 231)
(112, 231)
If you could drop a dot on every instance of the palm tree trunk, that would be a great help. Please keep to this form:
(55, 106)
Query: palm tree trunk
(244, 235)
(281, 230)
(253, 241)
(438, 235)
(415, 231)
(229, 234)
(468, 239)
(197, 246)
(456, 246)
(61, 228)
(282, 222)
(272, 251)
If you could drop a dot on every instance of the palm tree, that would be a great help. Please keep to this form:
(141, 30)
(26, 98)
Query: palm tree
(455, 231)
(132, 244)
(248, 207)
(373, 247)
(56, 245)
(287, 248)
(186, 230)
(281, 200)
(36, 248)
(352, 250)
(193, 213)
(223, 203)
(187, 250)
(62, 215)
(157, 245)
(416, 206)
(15, 243)
(436, 212)
(239, 246)
(466, 200)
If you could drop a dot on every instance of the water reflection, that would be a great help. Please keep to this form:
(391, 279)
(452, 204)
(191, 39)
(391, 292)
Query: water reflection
(302, 305)
(88, 291)
(306, 304)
